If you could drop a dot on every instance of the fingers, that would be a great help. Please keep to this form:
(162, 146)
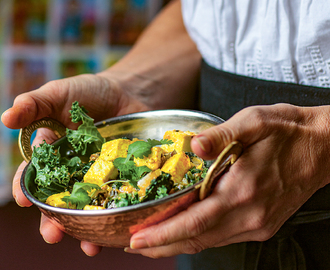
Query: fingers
(18, 195)
(90, 249)
(53, 233)
(50, 231)
(190, 223)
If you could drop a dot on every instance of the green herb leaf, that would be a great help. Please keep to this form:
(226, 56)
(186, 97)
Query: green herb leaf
(157, 187)
(126, 199)
(128, 170)
(80, 196)
(161, 192)
(142, 149)
(86, 134)
(48, 167)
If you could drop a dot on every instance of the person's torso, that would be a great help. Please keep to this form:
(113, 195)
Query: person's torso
(277, 40)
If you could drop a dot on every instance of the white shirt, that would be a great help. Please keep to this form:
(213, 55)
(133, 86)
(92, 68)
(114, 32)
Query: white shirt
(278, 40)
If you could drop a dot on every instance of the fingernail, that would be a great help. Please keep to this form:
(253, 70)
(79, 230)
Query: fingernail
(203, 143)
(17, 202)
(131, 251)
(48, 242)
(139, 243)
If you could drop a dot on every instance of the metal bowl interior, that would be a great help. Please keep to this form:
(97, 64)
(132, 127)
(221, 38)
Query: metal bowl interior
(114, 227)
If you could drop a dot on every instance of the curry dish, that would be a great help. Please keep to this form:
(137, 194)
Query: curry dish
(98, 174)
(169, 167)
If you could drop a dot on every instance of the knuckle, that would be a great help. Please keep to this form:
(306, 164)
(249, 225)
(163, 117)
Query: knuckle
(193, 246)
(258, 223)
(53, 85)
(259, 116)
(265, 235)
(261, 227)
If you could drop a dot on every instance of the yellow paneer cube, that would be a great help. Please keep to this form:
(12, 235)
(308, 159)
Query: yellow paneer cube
(177, 166)
(100, 172)
(93, 207)
(153, 161)
(181, 141)
(56, 199)
(114, 149)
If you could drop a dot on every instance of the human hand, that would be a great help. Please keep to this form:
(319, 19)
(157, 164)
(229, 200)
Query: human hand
(103, 97)
(283, 164)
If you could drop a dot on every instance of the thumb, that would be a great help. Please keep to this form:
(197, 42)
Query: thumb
(212, 141)
(246, 126)
(23, 112)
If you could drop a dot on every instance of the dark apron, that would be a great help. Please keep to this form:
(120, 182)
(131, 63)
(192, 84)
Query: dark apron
(303, 242)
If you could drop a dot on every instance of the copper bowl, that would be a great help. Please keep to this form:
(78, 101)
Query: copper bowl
(114, 227)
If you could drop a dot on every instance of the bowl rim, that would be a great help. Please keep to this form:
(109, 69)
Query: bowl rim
(115, 211)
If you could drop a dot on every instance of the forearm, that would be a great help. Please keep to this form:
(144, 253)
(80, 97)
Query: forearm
(162, 68)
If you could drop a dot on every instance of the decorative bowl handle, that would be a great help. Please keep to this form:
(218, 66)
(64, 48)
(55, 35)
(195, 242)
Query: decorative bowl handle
(226, 158)
(25, 134)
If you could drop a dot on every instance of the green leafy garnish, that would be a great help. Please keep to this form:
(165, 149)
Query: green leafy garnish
(81, 194)
(126, 199)
(161, 192)
(128, 170)
(140, 149)
(53, 172)
(51, 176)
(87, 134)
(158, 187)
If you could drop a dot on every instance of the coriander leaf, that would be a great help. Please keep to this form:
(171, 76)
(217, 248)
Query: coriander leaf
(86, 133)
(140, 149)
(80, 195)
(128, 170)
(153, 142)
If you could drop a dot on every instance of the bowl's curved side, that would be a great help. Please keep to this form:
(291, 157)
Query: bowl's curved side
(115, 230)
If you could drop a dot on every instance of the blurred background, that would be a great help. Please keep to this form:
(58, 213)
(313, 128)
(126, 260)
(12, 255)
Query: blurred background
(43, 40)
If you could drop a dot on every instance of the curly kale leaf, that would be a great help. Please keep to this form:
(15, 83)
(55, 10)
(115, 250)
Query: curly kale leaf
(81, 194)
(46, 161)
(53, 172)
(44, 155)
(86, 134)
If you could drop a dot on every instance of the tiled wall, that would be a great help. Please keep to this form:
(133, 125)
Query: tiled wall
(42, 40)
